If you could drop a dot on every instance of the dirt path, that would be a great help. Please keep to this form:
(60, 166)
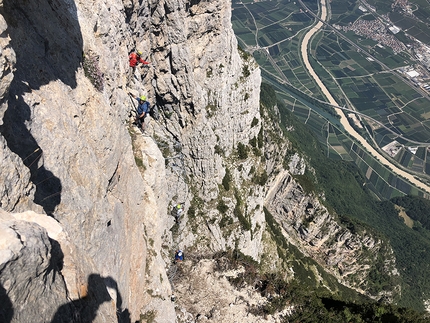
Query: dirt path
(343, 119)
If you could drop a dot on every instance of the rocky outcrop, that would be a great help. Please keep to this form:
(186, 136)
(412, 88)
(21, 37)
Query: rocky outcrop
(207, 295)
(16, 178)
(8, 60)
(348, 254)
(28, 261)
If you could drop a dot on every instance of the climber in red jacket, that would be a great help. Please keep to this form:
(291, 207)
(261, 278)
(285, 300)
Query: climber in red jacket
(134, 59)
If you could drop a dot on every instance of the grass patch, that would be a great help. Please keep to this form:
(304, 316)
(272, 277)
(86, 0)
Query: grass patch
(148, 317)
(227, 180)
(92, 70)
(242, 151)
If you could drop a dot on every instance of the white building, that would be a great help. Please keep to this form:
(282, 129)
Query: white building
(413, 73)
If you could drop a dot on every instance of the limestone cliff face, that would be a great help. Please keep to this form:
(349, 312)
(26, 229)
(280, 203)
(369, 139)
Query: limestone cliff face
(68, 154)
(349, 252)
(346, 253)
(213, 93)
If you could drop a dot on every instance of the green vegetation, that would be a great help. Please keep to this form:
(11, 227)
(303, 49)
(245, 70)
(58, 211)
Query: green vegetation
(243, 54)
(92, 70)
(227, 179)
(244, 222)
(148, 317)
(416, 208)
(225, 221)
(210, 110)
(260, 179)
(306, 182)
(222, 207)
(260, 138)
(342, 184)
(219, 150)
(242, 151)
(245, 72)
(253, 142)
(138, 161)
(268, 95)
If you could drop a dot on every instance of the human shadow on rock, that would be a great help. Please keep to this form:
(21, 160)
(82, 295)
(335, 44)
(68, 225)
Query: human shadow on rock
(6, 308)
(47, 41)
(84, 310)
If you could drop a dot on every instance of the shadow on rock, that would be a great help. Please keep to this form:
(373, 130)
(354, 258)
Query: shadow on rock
(6, 308)
(46, 38)
(84, 310)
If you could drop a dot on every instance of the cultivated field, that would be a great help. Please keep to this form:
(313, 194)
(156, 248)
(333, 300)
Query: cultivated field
(364, 78)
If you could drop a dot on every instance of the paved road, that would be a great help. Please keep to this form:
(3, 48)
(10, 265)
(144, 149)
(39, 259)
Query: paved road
(343, 118)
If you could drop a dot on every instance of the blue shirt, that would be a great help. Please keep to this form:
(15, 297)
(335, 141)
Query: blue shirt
(144, 107)
(179, 255)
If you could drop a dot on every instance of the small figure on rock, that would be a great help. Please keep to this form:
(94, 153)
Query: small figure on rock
(177, 212)
(142, 111)
(179, 256)
(134, 59)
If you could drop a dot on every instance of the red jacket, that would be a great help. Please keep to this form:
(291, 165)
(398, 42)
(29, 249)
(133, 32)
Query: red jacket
(134, 59)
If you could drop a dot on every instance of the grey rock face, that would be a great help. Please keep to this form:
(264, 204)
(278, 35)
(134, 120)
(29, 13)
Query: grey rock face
(308, 225)
(213, 93)
(68, 153)
(7, 61)
(30, 263)
(15, 182)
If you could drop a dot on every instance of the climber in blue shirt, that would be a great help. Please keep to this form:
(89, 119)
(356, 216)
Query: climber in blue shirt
(142, 110)
(179, 256)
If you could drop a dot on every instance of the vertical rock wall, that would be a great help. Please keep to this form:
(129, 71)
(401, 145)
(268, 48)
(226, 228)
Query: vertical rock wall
(68, 153)
(212, 96)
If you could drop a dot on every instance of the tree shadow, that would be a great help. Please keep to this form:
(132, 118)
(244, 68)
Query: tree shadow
(47, 41)
(84, 310)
